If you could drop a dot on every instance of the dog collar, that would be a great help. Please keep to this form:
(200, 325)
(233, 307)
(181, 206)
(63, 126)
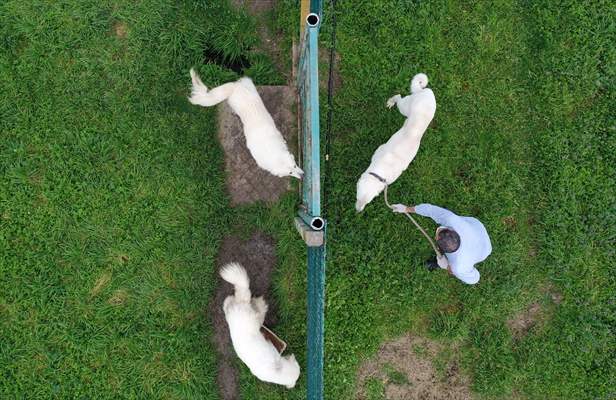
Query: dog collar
(383, 181)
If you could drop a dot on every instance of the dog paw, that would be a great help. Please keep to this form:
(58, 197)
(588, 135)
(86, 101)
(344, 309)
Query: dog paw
(393, 100)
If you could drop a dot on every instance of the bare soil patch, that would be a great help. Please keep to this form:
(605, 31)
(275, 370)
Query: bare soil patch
(258, 256)
(246, 182)
(120, 29)
(522, 323)
(536, 314)
(269, 41)
(510, 222)
(324, 64)
(405, 367)
(100, 284)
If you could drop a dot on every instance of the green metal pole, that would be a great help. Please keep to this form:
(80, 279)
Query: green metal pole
(316, 301)
(308, 89)
(316, 255)
(316, 6)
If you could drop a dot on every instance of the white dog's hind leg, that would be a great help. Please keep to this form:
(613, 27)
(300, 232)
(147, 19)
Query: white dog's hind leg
(261, 307)
(227, 303)
(202, 96)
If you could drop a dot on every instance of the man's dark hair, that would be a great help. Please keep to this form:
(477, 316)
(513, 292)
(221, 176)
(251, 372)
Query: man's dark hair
(448, 240)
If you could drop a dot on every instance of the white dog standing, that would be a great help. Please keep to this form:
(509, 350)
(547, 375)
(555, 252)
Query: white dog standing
(263, 139)
(394, 157)
(245, 317)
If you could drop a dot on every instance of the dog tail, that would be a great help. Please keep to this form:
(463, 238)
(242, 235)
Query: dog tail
(202, 96)
(419, 82)
(236, 275)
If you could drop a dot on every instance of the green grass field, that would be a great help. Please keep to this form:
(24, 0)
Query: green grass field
(112, 199)
(523, 139)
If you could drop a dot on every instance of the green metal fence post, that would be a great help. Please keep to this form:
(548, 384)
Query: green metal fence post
(316, 6)
(309, 221)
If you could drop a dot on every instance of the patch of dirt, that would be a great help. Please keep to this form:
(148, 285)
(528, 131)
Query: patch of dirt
(557, 298)
(324, 55)
(522, 323)
(510, 222)
(100, 284)
(246, 182)
(255, 7)
(407, 372)
(258, 256)
(270, 44)
(120, 29)
(118, 298)
(465, 174)
(269, 41)
(554, 294)
(535, 314)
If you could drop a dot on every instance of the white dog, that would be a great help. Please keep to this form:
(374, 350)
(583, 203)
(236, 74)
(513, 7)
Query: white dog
(263, 139)
(245, 317)
(394, 157)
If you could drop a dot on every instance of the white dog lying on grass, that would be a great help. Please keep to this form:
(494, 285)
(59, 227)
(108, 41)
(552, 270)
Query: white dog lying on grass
(263, 139)
(394, 157)
(245, 317)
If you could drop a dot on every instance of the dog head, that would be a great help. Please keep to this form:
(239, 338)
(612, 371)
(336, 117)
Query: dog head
(368, 187)
(286, 166)
(297, 172)
(290, 371)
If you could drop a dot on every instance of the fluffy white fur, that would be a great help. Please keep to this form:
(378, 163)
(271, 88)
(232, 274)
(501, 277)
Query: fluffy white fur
(394, 157)
(245, 316)
(263, 139)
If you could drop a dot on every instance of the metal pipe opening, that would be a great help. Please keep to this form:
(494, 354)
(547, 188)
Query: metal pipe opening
(317, 223)
(312, 19)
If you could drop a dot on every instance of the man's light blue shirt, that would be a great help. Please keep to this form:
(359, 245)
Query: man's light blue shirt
(475, 243)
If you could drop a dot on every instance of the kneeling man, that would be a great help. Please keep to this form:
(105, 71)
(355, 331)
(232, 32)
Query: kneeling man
(463, 240)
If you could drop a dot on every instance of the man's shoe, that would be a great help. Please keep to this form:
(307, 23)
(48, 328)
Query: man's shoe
(432, 264)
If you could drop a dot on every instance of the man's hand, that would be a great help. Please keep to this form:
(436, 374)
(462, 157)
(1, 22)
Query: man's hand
(443, 262)
(400, 208)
